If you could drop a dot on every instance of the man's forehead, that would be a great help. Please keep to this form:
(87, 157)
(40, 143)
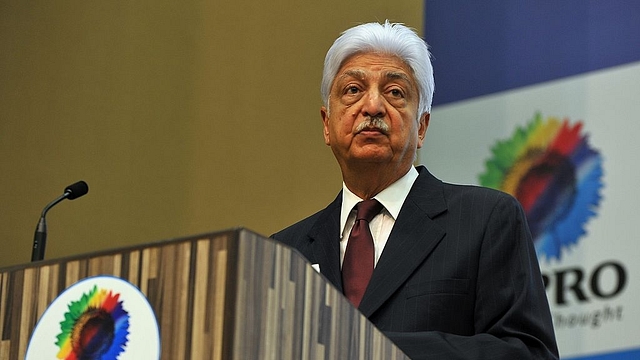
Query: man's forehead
(374, 58)
(362, 74)
(361, 66)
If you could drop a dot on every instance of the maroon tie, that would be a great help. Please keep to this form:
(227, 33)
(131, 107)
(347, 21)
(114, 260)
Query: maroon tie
(357, 266)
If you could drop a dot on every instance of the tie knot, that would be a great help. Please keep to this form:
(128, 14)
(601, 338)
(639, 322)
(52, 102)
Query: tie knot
(368, 209)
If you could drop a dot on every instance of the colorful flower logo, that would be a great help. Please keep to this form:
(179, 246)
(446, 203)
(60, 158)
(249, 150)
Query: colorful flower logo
(550, 168)
(95, 327)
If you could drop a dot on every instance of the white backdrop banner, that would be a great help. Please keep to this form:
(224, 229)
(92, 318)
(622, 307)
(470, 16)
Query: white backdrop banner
(567, 149)
(545, 107)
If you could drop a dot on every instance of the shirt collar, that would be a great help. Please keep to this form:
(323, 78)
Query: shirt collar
(391, 198)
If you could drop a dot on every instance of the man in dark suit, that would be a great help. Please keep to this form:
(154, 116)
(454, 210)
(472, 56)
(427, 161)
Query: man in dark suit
(453, 274)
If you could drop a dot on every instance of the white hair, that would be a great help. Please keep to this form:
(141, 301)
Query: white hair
(388, 38)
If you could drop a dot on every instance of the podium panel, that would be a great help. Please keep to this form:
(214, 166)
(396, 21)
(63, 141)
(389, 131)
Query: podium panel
(226, 295)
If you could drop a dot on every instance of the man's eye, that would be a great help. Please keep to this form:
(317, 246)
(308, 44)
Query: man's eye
(352, 90)
(396, 93)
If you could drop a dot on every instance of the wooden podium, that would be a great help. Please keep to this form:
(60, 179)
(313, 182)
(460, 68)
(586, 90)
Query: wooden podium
(226, 295)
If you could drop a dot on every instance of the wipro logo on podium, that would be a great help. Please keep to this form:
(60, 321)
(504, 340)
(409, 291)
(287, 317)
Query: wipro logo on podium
(101, 317)
(95, 326)
(550, 168)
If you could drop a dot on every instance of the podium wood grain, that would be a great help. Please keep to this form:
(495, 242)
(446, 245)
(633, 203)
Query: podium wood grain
(226, 295)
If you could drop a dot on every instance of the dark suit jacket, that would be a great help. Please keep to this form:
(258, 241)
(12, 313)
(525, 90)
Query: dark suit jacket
(458, 277)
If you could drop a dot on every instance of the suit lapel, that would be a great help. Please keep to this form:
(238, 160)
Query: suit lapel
(413, 237)
(324, 239)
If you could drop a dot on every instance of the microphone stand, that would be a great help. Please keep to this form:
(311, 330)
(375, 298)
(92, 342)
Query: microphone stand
(40, 237)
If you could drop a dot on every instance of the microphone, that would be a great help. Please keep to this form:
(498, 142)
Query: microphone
(71, 192)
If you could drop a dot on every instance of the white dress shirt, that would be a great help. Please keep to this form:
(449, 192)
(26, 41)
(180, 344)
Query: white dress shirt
(391, 198)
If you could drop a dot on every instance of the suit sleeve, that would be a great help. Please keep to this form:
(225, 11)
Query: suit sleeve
(511, 314)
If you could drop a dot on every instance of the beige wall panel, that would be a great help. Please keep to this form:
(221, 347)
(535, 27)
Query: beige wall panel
(183, 117)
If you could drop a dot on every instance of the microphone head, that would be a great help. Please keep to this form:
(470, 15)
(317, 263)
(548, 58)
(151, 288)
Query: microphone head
(76, 190)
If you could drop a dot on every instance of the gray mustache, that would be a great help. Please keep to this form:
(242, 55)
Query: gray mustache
(373, 123)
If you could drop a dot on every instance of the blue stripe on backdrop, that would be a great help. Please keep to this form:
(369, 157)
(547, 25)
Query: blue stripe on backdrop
(622, 355)
(482, 47)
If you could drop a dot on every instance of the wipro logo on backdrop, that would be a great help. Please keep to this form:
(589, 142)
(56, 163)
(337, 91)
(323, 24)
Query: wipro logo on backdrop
(549, 166)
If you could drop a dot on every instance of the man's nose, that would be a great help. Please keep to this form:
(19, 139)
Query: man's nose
(373, 104)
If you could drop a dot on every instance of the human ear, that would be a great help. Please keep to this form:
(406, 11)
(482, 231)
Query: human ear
(324, 113)
(423, 124)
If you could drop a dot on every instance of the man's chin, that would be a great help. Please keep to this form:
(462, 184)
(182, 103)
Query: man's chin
(371, 155)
